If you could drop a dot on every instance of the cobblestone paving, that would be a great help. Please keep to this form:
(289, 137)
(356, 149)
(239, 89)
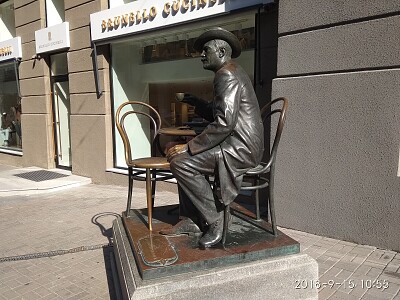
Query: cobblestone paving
(60, 221)
(351, 271)
(83, 216)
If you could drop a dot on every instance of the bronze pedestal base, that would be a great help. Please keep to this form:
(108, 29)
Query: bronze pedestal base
(253, 265)
(159, 256)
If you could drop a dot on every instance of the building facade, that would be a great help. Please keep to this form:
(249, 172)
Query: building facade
(65, 67)
(71, 80)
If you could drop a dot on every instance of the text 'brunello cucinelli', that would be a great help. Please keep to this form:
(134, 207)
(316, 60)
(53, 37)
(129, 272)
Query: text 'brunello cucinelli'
(144, 15)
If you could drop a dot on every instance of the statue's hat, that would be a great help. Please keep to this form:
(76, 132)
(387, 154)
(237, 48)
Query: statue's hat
(218, 33)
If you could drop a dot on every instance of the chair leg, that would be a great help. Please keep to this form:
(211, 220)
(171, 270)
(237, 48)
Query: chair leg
(267, 214)
(153, 186)
(149, 199)
(130, 188)
(226, 224)
(272, 207)
(258, 205)
(255, 195)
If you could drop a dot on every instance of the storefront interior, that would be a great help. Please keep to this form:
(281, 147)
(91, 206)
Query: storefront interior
(10, 102)
(10, 109)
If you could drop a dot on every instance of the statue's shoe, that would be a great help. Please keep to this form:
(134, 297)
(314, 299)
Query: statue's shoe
(185, 226)
(214, 234)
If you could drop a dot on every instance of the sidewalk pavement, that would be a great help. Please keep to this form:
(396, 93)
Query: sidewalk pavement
(56, 243)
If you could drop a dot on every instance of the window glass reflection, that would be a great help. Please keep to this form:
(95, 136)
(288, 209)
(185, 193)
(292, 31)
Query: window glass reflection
(7, 20)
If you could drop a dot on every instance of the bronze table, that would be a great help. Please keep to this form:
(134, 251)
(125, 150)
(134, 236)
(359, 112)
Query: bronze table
(183, 131)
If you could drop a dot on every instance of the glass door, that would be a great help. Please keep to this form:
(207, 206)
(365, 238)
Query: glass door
(62, 113)
(61, 109)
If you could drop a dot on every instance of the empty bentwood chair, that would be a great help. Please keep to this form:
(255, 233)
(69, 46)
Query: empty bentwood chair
(263, 176)
(154, 168)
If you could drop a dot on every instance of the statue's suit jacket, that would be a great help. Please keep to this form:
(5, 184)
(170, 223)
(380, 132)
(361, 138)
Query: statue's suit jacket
(236, 127)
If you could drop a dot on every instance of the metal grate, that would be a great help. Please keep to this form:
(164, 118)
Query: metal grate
(41, 175)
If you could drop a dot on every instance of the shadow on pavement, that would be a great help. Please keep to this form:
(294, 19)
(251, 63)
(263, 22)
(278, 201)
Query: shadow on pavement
(111, 272)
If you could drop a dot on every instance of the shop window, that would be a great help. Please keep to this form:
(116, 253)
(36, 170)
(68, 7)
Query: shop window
(153, 68)
(7, 21)
(10, 104)
(114, 3)
(59, 64)
(10, 110)
(55, 12)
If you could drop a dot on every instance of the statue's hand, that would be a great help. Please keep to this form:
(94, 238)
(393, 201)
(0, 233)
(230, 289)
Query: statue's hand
(189, 99)
(175, 150)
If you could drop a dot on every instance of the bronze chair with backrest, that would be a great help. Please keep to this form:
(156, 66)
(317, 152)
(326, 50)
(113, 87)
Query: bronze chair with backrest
(262, 176)
(154, 168)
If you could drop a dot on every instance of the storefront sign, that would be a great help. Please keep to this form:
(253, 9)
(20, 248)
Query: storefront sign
(10, 49)
(52, 38)
(144, 15)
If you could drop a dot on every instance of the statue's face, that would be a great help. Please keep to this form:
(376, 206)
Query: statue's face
(211, 56)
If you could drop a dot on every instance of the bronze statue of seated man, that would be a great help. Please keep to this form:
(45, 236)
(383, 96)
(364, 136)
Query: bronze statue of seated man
(230, 145)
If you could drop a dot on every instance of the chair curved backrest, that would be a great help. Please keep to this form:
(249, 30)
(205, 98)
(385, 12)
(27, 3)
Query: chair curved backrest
(263, 175)
(119, 120)
(267, 112)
